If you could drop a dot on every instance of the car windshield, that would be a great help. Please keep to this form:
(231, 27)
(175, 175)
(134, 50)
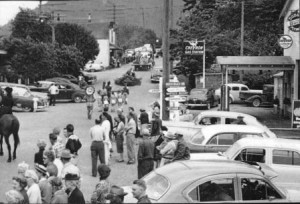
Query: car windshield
(157, 185)
(230, 152)
(198, 137)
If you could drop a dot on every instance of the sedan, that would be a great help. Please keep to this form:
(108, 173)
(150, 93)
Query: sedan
(202, 98)
(213, 181)
(71, 78)
(215, 138)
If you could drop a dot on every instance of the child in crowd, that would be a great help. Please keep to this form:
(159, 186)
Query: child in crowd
(120, 99)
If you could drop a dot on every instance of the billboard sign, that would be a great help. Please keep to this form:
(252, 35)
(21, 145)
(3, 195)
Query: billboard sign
(193, 47)
(285, 41)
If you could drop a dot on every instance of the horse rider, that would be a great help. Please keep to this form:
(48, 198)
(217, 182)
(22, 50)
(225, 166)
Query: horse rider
(6, 102)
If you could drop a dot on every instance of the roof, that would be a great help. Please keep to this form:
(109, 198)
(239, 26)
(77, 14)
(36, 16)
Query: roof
(257, 62)
(285, 8)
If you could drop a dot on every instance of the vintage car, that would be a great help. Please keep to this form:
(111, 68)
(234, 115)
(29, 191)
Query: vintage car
(156, 73)
(213, 182)
(202, 98)
(282, 155)
(89, 78)
(216, 138)
(23, 97)
(234, 91)
(266, 98)
(67, 90)
(222, 117)
(71, 78)
(91, 67)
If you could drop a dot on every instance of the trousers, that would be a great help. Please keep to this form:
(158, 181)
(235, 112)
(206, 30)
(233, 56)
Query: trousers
(144, 167)
(97, 150)
(130, 138)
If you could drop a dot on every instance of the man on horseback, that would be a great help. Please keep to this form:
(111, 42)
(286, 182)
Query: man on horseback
(6, 103)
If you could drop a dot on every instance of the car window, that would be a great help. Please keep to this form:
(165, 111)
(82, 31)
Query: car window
(230, 120)
(210, 120)
(244, 89)
(243, 135)
(223, 139)
(252, 155)
(286, 157)
(258, 189)
(157, 185)
(18, 91)
(214, 190)
(235, 88)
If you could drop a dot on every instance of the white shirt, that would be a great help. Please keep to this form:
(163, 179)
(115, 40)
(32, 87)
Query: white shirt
(106, 125)
(97, 133)
(34, 194)
(58, 163)
(70, 168)
(53, 90)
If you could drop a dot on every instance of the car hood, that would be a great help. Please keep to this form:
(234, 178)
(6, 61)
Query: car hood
(207, 156)
(291, 194)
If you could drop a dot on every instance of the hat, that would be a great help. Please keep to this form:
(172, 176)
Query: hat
(56, 131)
(41, 143)
(145, 132)
(170, 135)
(71, 177)
(31, 174)
(52, 136)
(40, 168)
(116, 191)
(23, 167)
(66, 154)
(104, 170)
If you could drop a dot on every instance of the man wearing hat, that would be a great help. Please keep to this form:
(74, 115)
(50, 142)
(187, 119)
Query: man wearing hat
(68, 166)
(169, 149)
(182, 152)
(33, 191)
(116, 195)
(156, 126)
(145, 154)
(144, 119)
(45, 186)
(74, 194)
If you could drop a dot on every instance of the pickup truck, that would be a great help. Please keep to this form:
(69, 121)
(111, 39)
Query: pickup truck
(265, 98)
(244, 95)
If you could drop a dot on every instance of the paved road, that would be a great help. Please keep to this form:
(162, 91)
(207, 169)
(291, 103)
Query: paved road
(38, 125)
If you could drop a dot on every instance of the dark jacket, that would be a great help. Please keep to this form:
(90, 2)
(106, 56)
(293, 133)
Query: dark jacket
(76, 197)
(144, 118)
(156, 127)
(109, 118)
(144, 199)
(73, 144)
(182, 152)
(38, 157)
(8, 101)
(146, 149)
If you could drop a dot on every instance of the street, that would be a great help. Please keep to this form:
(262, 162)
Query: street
(34, 126)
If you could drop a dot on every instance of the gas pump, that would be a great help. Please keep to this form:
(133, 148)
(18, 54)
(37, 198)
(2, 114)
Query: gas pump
(225, 98)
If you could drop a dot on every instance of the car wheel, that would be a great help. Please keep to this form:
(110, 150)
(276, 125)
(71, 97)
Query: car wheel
(77, 99)
(256, 102)
(27, 109)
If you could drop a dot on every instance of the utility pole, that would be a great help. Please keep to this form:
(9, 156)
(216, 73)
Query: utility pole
(166, 71)
(143, 14)
(114, 13)
(171, 27)
(242, 36)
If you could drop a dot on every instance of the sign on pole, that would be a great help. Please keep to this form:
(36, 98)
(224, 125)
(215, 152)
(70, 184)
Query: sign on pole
(176, 89)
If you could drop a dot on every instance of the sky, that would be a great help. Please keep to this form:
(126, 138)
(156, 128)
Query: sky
(9, 9)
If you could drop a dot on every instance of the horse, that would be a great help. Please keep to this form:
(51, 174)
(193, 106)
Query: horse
(9, 124)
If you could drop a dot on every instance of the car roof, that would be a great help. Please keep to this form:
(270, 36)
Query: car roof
(222, 128)
(269, 142)
(46, 82)
(188, 169)
(225, 113)
(13, 84)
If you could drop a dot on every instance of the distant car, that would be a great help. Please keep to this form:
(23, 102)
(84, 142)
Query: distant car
(156, 73)
(234, 94)
(216, 138)
(23, 97)
(202, 98)
(266, 98)
(71, 78)
(204, 119)
(90, 67)
(90, 79)
(59, 79)
(67, 90)
(213, 182)
(282, 155)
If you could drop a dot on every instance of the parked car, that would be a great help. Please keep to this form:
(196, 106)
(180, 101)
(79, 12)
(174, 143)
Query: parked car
(71, 78)
(156, 73)
(245, 94)
(216, 138)
(222, 117)
(282, 155)
(90, 79)
(23, 98)
(211, 181)
(202, 98)
(67, 90)
(266, 98)
(91, 67)
(235, 89)
(59, 79)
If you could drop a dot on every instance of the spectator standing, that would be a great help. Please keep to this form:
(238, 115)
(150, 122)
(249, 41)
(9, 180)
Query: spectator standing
(107, 143)
(7, 100)
(45, 186)
(98, 97)
(125, 93)
(110, 119)
(59, 195)
(68, 166)
(168, 149)
(156, 124)
(121, 116)
(73, 143)
(182, 152)
(49, 158)
(53, 91)
(103, 187)
(74, 194)
(131, 111)
(130, 138)
(145, 154)
(119, 137)
(38, 157)
(19, 184)
(108, 90)
(139, 191)
(144, 119)
(97, 133)
(33, 192)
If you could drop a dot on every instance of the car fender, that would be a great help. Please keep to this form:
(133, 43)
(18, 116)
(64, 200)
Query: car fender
(250, 99)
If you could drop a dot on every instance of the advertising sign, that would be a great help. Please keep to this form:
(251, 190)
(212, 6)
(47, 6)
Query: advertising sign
(193, 47)
(285, 41)
(294, 21)
(296, 114)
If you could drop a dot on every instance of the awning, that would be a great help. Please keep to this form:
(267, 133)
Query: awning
(256, 62)
(114, 47)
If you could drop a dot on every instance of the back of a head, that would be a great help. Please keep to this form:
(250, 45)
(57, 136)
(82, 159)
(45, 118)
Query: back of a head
(140, 183)
(70, 128)
(105, 109)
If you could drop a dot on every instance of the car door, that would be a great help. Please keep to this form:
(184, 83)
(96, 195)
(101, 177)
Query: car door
(251, 154)
(254, 188)
(63, 93)
(286, 163)
(220, 142)
(235, 91)
(216, 188)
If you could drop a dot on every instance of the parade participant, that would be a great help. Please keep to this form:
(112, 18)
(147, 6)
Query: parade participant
(103, 92)
(139, 191)
(120, 115)
(105, 102)
(125, 93)
(167, 151)
(53, 91)
(107, 143)
(90, 99)
(145, 154)
(98, 98)
(102, 189)
(73, 143)
(131, 110)
(116, 195)
(38, 157)
(130, 138)
(97, 133)
(19, 184)
(119, 137)
(144, 119)
(74, 194)
(45, 186)
(113, 101)
(182, 152)
(22, 168)
(68, 166)
(156, 124)
(110, 119)
(14, 197)
(59, 195)
(7, 100)
(49, 158)
(33, 192)
(108, 90)
(120, 99)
